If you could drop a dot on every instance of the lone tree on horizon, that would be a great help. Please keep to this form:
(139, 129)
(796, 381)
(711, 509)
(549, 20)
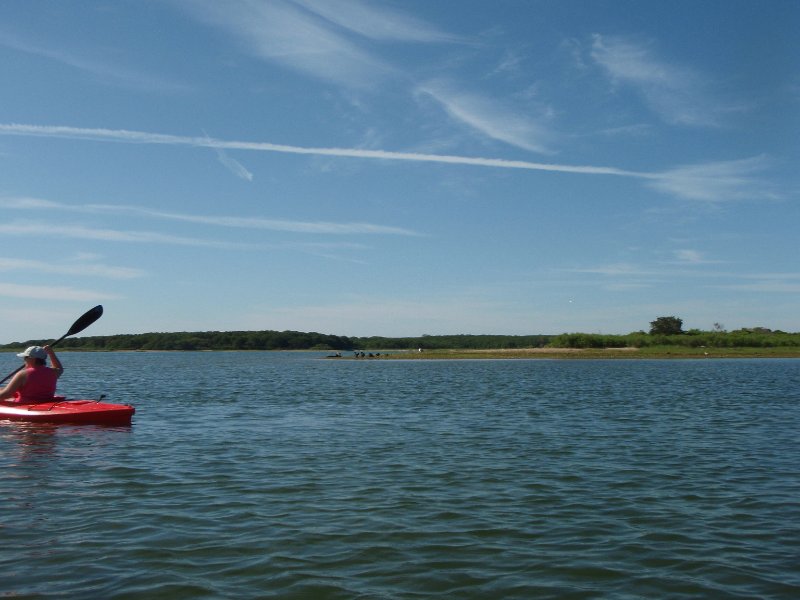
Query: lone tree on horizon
(666, 326)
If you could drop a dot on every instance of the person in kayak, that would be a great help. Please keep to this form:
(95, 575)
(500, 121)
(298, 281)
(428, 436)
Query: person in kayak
(36, 382)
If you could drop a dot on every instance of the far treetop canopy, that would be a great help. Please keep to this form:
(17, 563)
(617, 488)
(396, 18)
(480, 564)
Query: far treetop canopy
(666, 326)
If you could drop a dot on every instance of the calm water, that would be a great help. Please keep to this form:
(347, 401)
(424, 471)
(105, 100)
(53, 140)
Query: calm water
(271, 475)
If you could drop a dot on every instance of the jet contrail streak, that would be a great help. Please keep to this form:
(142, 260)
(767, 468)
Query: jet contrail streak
(141, 137)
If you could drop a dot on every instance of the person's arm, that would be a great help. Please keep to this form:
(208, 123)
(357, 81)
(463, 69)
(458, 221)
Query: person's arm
(16, 383)
(59, 368)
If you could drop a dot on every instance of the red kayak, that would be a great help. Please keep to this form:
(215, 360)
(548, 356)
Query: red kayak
(76, 412)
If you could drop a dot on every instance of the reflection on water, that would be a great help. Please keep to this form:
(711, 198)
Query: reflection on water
(42, 439)
(29, 439)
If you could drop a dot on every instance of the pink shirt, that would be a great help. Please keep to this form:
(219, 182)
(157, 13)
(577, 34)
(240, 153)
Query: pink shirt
(40, 385)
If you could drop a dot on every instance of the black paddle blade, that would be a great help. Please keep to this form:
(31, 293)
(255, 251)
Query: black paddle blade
(84, 321)
(89, 317)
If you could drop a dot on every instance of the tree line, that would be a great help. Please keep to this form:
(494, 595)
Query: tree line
(297, 340)
(743, 338)
(283, 340)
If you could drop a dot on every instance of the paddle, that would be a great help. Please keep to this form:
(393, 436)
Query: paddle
(89, 317)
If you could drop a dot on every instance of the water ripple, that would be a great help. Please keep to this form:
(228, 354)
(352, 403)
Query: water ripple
(325, 479)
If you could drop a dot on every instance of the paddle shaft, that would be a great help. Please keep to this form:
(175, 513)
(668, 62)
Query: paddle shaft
(86, 319)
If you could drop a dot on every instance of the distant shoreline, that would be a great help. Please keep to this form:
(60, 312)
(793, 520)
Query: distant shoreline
(626, 353)
(662, 352)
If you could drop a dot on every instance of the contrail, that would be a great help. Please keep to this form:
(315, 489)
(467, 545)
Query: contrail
(141, 137)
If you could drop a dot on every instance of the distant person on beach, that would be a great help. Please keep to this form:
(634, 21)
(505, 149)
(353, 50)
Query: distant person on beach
(35, 382)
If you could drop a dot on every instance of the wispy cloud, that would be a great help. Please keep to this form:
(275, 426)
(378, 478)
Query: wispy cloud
(491, 118)
(101, 70)
(678, 94)
(687, 263)
(34, 228)
(315, 227)
(28, 203)
(377, 22)
(332, 251)
(614, 270)
(620, 275)
(717, 181)
(323, 39)
(636, 130)
(42, 292)
(766, 283)
(761, 287)
(284, 33)
(311, 227)
(689, 256)
(46, 229)
(232, 164)
(713, 181)
(82, 266)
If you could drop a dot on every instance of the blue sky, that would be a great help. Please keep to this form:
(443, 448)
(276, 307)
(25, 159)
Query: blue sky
(398, 168)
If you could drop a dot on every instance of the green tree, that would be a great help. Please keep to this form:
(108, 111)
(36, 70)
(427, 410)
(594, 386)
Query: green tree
(666, 326)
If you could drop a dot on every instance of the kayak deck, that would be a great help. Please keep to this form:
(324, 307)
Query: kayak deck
(76, 412)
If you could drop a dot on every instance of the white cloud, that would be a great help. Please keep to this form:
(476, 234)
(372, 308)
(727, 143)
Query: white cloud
(81, 266)
(376, 22)
(677, 94)
(766, 283)
(717, 181)
(686, 256)
(42, 292)
(320, 38)
(33, 228)
(283, 33)
(689, 256)
(101, 70)
(234, 166)
(492, 119)
(311, 227)
(616, 269)
(27, 203)
(761, 287)
(622, 276)
(318, 227)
